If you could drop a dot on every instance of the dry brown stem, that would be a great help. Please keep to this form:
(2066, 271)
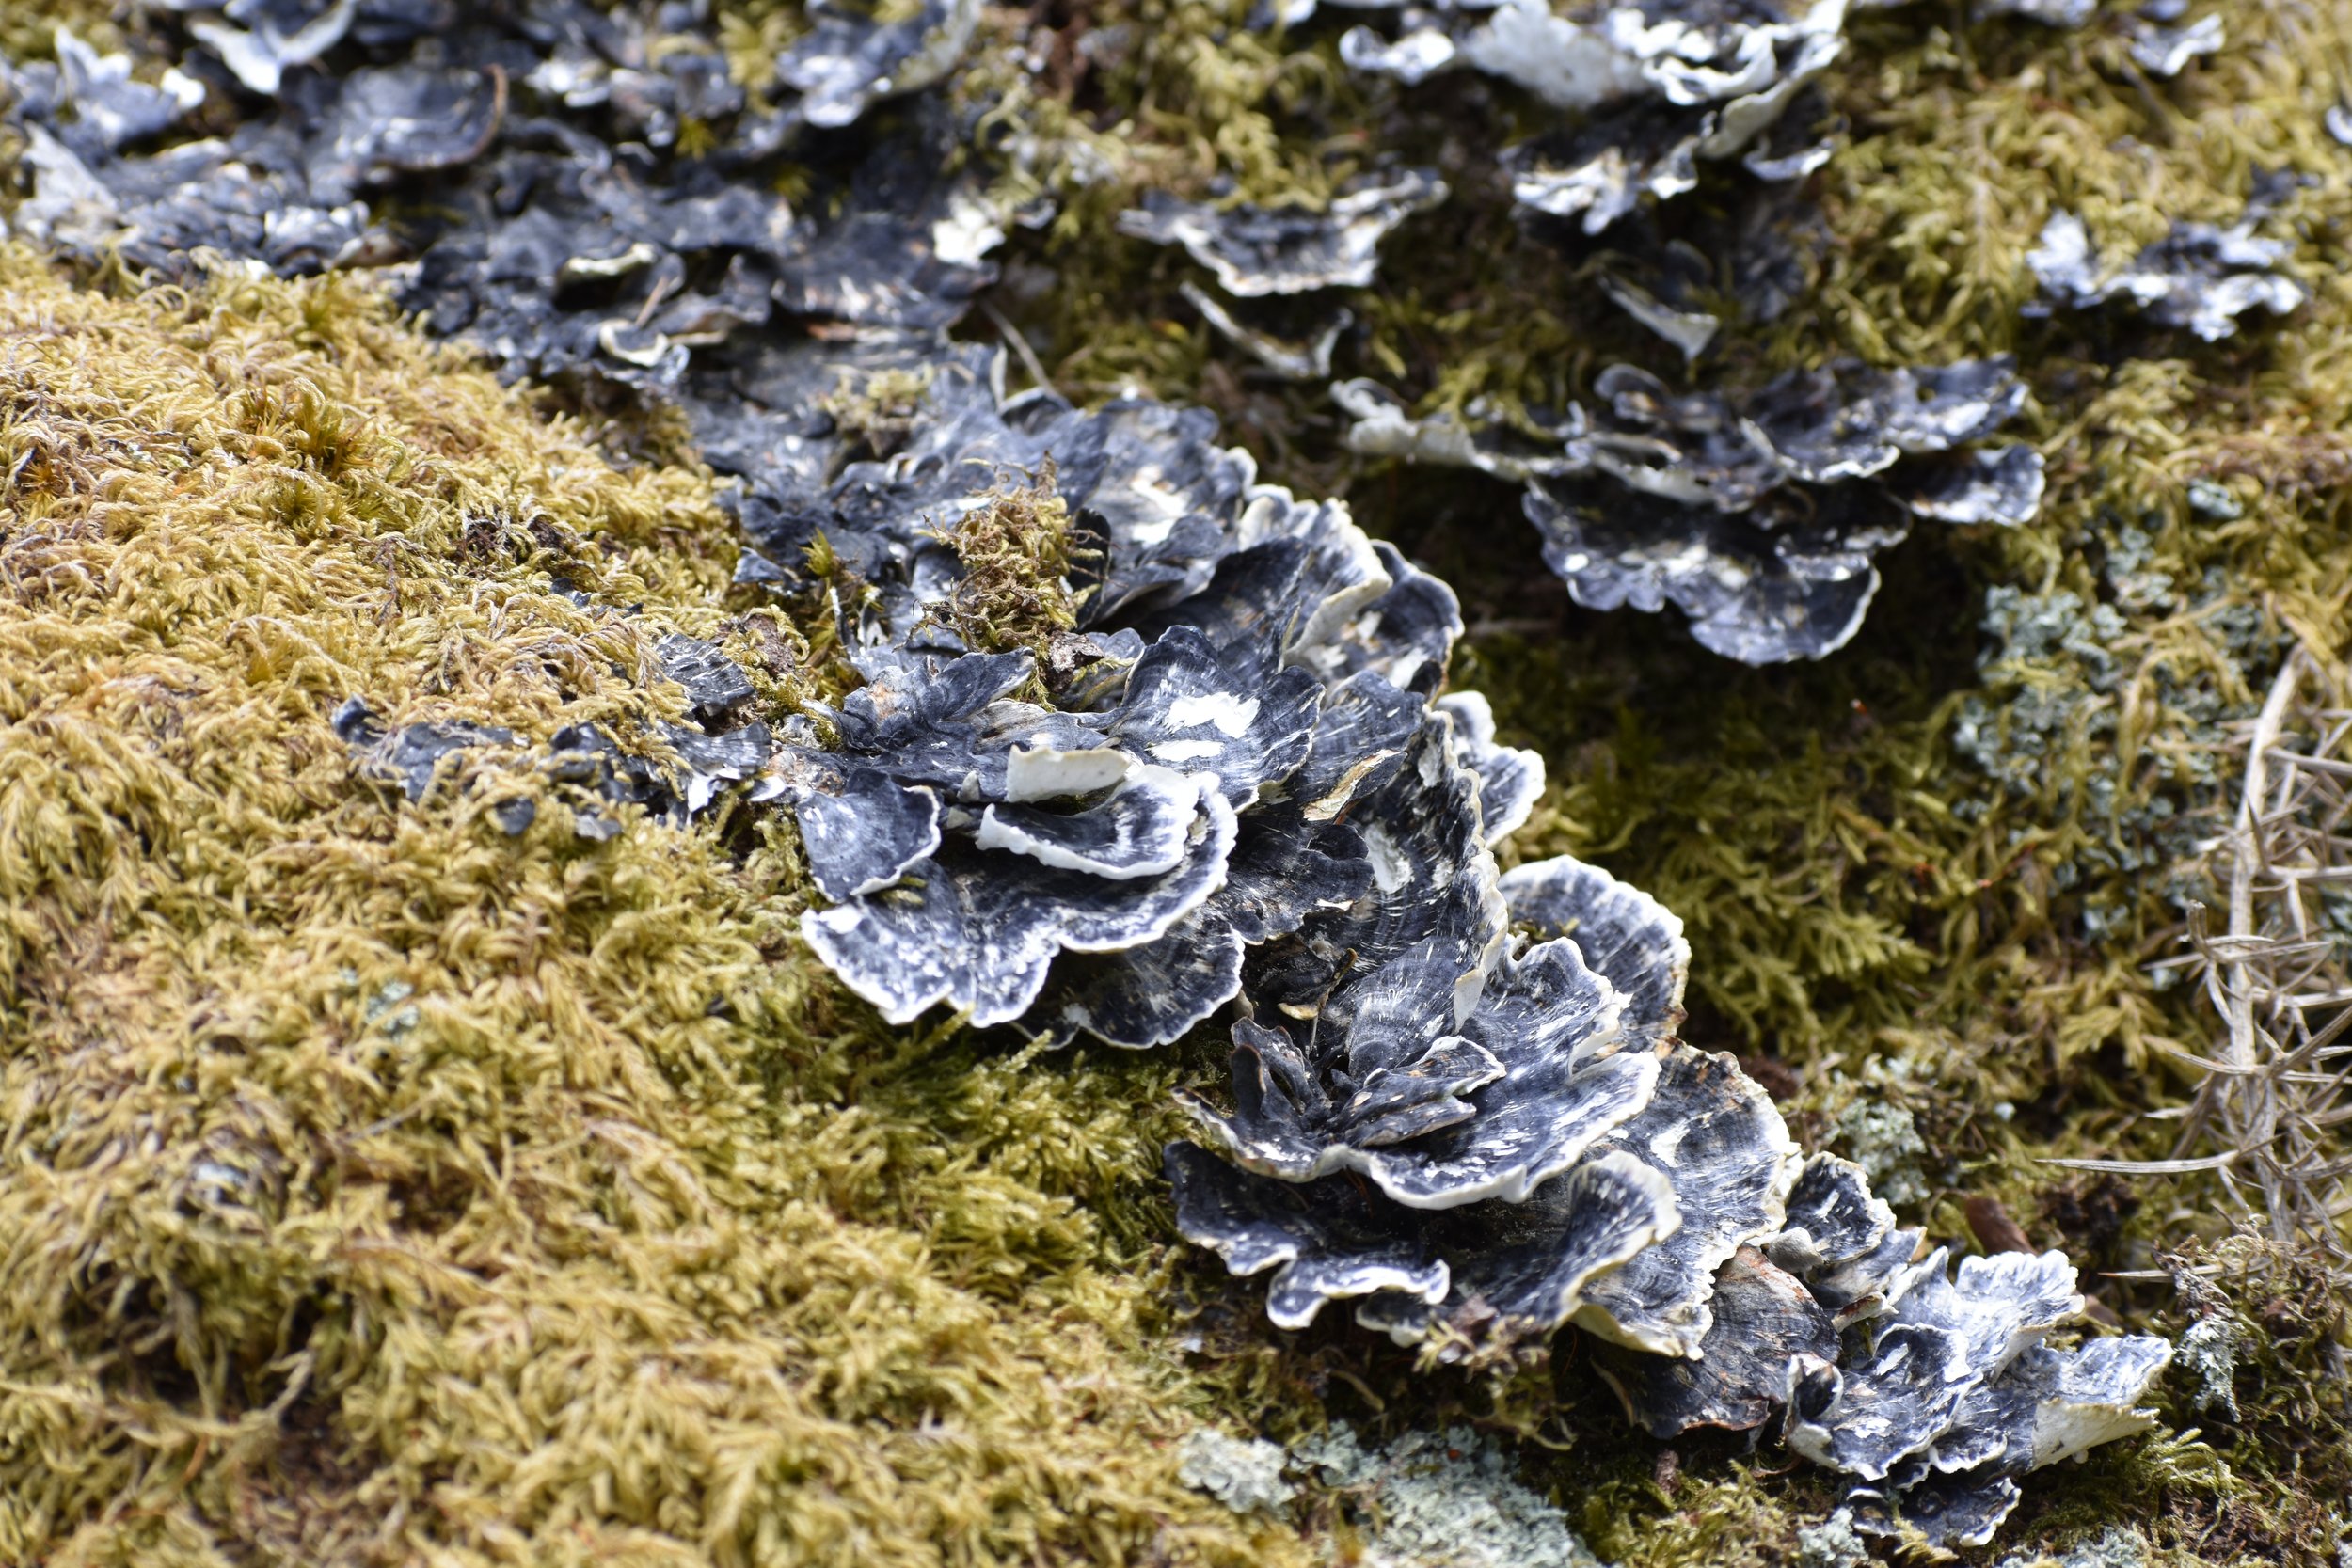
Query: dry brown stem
(2269, 1112)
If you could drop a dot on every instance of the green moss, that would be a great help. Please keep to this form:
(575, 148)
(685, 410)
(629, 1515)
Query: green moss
(28, 30)
(1667, 1521)
(1015, 546)
(2280, 1415)
(880, 411)
(1965, 144)
(381, 1186)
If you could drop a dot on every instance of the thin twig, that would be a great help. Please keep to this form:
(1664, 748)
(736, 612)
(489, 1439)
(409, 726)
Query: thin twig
(2276, 1086)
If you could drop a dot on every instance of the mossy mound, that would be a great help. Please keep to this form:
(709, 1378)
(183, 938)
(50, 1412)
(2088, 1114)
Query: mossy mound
(382, 1188)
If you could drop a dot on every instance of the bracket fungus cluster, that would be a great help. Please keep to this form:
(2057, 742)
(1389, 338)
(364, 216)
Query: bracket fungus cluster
(1256, 251)
(1757, 513)
(1641, 92)
(1230, 788)
(1094, 836)
(1552, 1155)
(585, 193)
(576, 191)
(1627, 102)
(1202, 768)
(2164, 50)
(1259, 254)
(2196, 278)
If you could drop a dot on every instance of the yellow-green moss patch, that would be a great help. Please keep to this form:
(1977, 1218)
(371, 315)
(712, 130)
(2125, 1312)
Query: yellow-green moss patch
(381, 1188)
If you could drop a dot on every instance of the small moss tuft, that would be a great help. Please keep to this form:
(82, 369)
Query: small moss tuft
(878, 411)
(1018, 552)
